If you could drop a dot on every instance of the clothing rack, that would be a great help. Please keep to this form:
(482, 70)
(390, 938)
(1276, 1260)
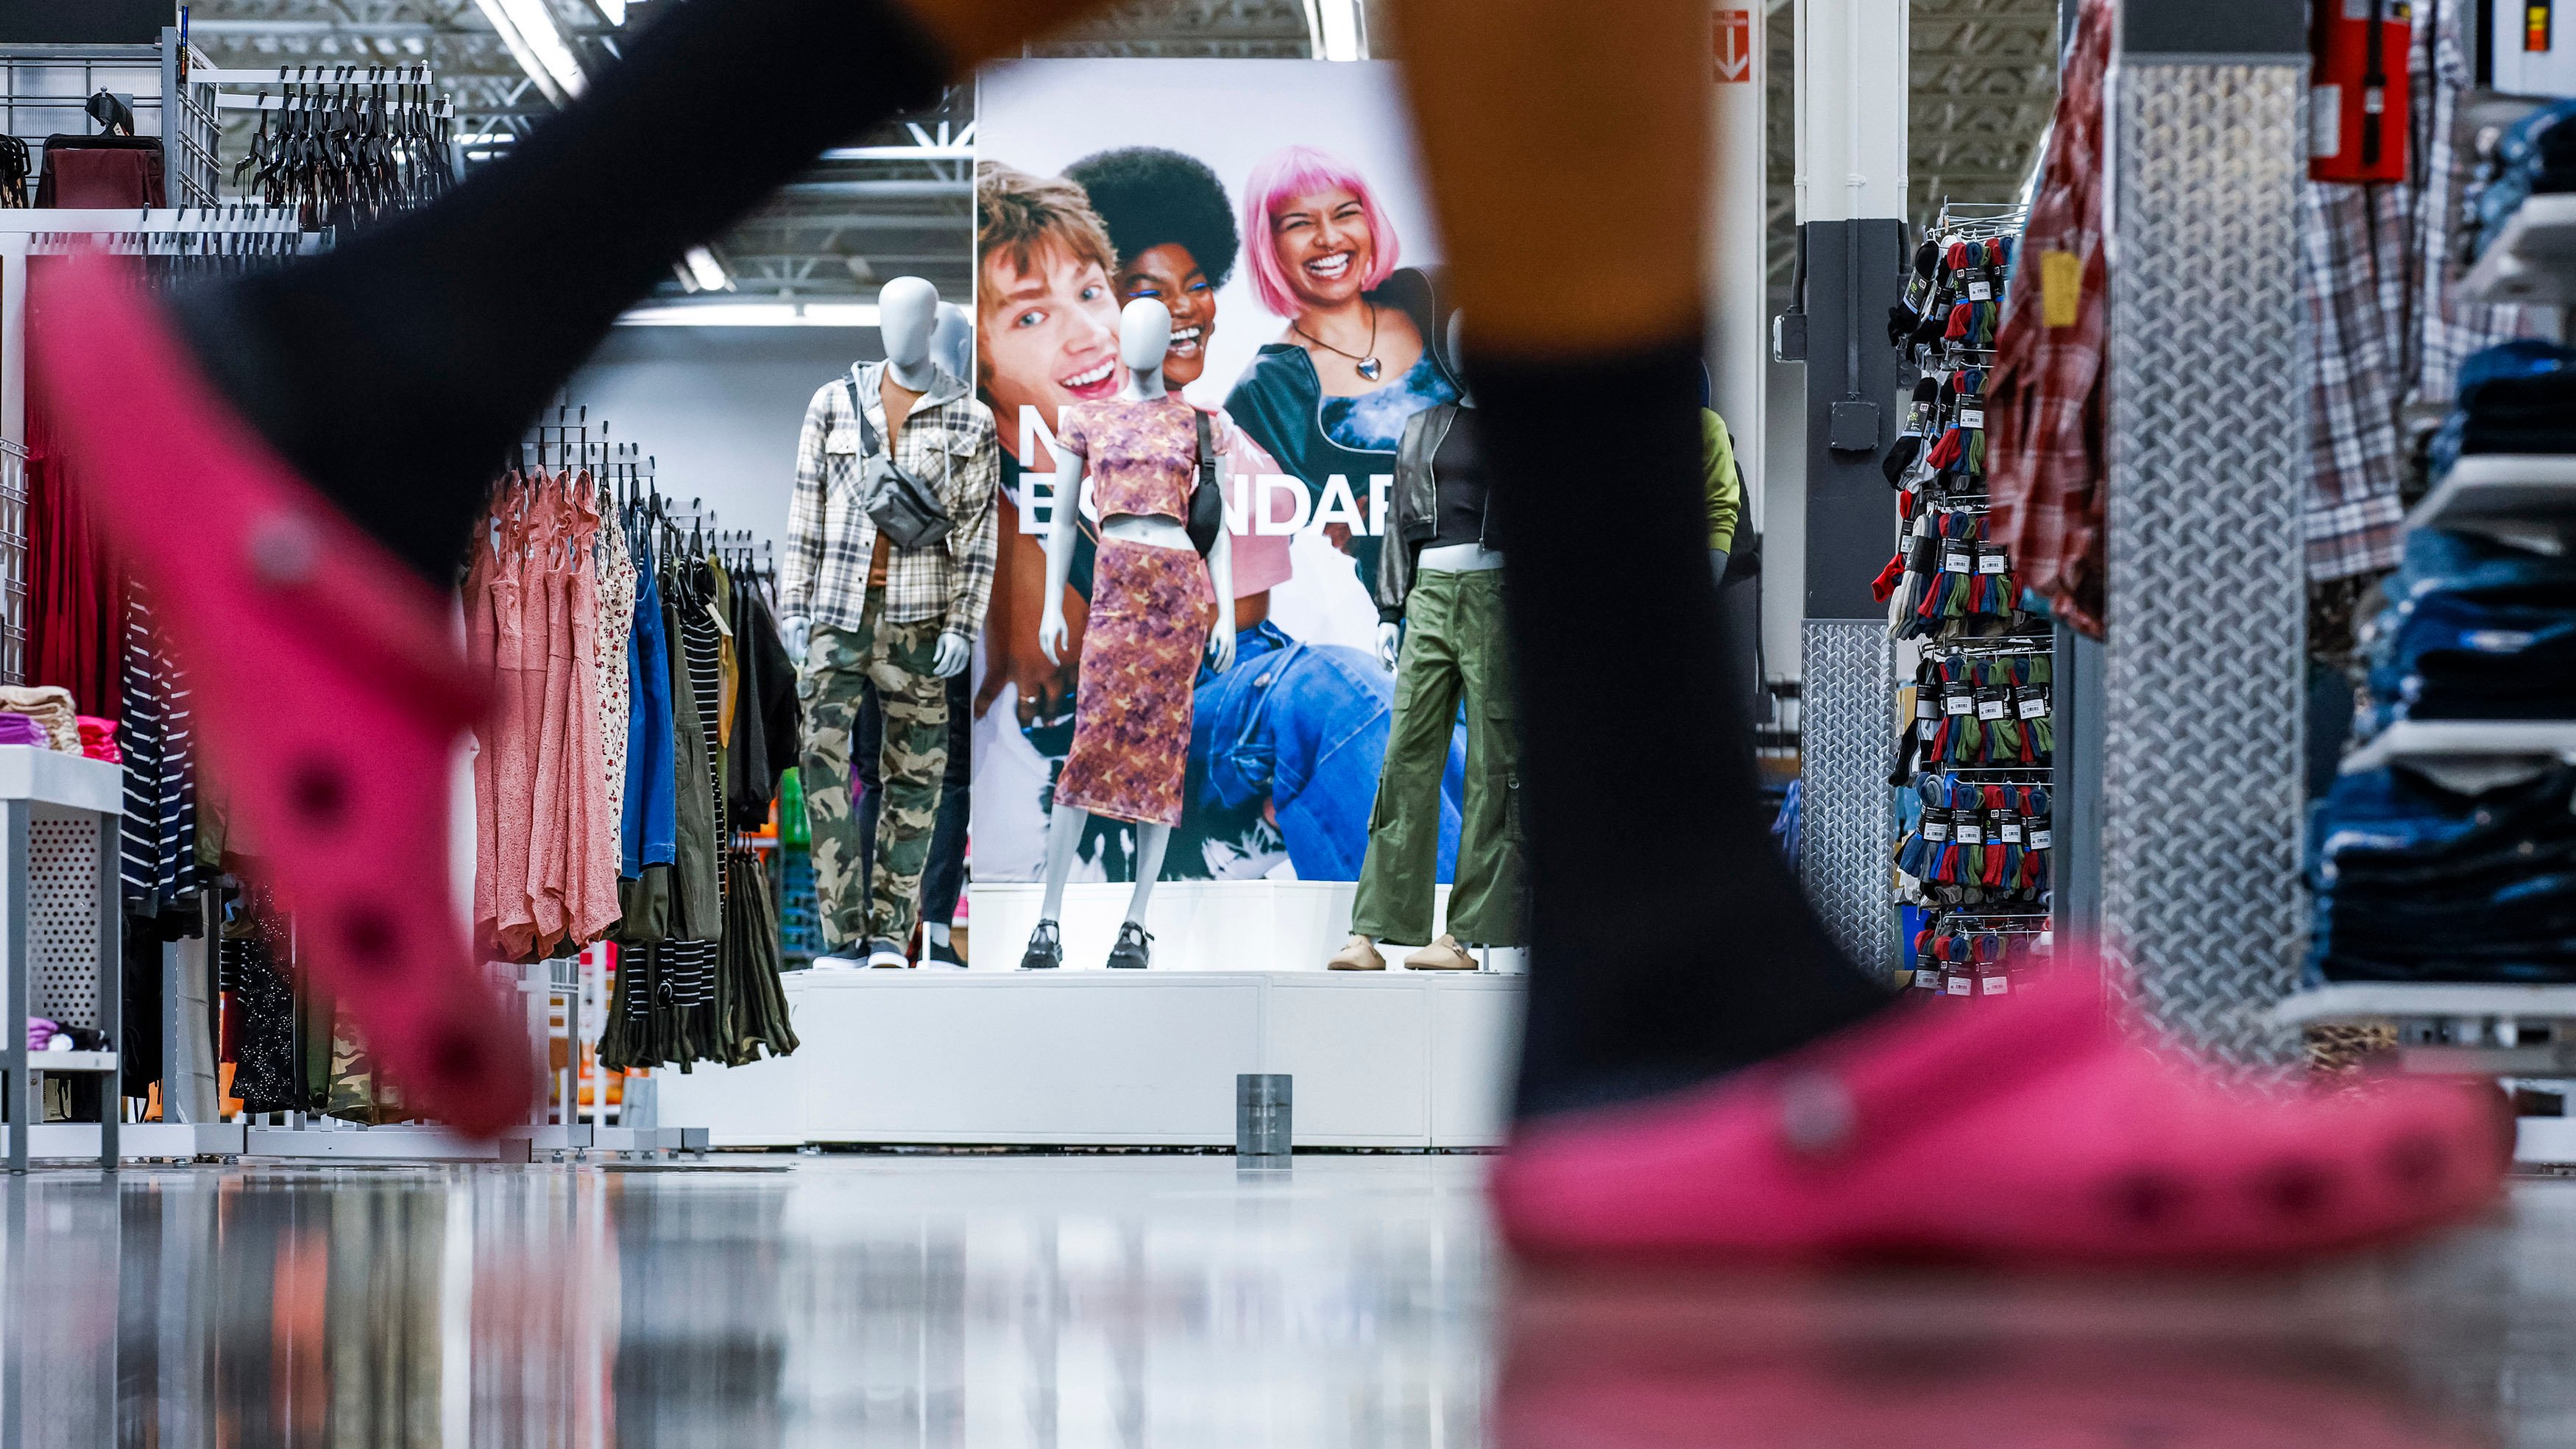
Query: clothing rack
(166, 82)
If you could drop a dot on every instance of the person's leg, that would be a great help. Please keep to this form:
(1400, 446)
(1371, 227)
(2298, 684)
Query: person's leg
(394, 372)
(835, 665)
(915, 711)
(1647, 843)
(1396, 887)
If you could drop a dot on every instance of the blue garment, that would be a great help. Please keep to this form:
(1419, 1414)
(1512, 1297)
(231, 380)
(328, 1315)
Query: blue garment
(2515, 397)
(2474, 567)
(650, 831)
(1305, 727)
(1373, 422)
(2534, 155)
(2450, 656)
(2418, 882)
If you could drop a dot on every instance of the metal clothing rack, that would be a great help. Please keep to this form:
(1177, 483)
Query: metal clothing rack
(44, 88)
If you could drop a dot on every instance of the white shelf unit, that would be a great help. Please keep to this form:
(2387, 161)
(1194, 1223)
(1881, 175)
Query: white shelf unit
(60, 949)
(2466, 739)
(2522, 498)
(2533, 260)
(2466, 1029)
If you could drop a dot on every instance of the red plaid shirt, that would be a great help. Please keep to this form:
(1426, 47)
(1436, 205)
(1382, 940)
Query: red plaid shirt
(2045, 419)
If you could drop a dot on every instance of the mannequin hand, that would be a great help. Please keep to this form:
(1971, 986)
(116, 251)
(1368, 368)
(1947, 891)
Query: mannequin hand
(1220, 651)
(796, 631)
(1051, 633)
(952, 655)
(1389, 642)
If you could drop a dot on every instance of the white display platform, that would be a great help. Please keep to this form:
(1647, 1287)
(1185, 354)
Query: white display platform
(1145, 1058)
(1199, 925)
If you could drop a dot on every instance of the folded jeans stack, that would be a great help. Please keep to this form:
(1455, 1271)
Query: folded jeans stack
(2534, 156)
(2418, 881)
(2515, 397)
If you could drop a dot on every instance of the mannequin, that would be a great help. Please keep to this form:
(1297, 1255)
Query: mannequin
(868, 620)
(1439, 567)
(1144, 336)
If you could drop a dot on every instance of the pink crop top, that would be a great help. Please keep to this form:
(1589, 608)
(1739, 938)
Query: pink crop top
(1143, 457)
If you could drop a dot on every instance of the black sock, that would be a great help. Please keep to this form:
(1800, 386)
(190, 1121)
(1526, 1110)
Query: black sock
(1669, 941)
(396, 372)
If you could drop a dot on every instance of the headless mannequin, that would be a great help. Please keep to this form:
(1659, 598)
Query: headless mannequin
(1447, 558)
(1144, 335)
(907, 321)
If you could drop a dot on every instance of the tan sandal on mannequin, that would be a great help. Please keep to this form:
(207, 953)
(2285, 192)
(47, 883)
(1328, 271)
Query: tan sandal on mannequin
(1444, 954)
(1360, 955)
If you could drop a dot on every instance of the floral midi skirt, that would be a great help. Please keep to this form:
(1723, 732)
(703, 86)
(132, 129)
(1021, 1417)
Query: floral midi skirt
(1151, 609)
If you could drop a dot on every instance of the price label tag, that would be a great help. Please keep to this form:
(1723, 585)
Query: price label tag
(1926, 979)
(2039, 837)
(1995, 985)
(2008, 830)
(1925, 706)
(1972, 417)
(1935, 830)
(2034, 706)
(1980, 291)
(1960, 702)
(1992, 561)
(1971, 833)
(1990, 709)
(1956, 561)
(1960, 985)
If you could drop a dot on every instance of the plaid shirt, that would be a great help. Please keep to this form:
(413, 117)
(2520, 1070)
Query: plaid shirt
(2450, 330)
(948, 442)
(2353, 246)
(2044, 417)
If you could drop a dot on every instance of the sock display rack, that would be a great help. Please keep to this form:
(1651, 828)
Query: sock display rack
(2492, 991)
(1974, 738)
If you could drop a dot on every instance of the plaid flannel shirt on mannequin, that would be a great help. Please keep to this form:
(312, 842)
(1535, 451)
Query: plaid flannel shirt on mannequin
(948, 442)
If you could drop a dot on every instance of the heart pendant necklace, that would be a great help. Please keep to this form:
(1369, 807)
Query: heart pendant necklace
(1368, 367)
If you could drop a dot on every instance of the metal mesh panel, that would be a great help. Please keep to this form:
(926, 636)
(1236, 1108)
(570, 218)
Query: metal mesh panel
(1844, 826)
(13, 563)
(2203, 713)
(63, 901)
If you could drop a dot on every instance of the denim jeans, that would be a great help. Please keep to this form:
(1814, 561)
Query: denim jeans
(2418, 882)
(2451, 656)
(1304, 726)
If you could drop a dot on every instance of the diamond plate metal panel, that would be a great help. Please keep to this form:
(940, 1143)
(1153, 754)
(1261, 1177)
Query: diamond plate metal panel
(1848, 706)
(2203, 718)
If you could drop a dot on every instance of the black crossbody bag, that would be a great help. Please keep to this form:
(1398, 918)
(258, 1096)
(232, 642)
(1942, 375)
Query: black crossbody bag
(1207, 503)
(905, 509)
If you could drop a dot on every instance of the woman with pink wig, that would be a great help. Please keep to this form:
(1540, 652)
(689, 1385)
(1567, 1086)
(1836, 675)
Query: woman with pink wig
(1355, 360)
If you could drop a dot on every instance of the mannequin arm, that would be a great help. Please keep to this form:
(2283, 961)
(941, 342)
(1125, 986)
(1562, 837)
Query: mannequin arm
(952, 655)
(795, 631)
(1066, 515)
(1221, 573)
(1390, 638)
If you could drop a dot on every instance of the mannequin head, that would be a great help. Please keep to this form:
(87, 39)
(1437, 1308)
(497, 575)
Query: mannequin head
(907, 310)
(952, 340)
(1144, 335)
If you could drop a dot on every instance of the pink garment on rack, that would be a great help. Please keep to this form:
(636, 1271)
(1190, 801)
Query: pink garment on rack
(590, 895)
(98, 739)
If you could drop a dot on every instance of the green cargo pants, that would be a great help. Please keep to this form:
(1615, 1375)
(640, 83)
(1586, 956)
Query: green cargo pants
(1453, 644)
(897, 659)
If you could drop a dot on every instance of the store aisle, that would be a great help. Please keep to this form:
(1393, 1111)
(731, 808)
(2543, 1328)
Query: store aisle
(1171, 1301)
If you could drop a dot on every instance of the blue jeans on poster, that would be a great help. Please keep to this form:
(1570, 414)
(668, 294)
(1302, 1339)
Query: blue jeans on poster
(1305, 726)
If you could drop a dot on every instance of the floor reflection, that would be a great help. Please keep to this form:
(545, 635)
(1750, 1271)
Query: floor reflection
(1136, 1301)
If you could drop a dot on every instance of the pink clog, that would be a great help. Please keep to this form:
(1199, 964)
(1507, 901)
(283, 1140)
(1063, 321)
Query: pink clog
(328, 688)
(2027, 1130)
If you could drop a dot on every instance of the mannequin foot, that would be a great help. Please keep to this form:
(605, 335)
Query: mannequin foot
(886, 955)
(1046, 948)
(268, 594)
(1135, 948)
(1444, 954)
(1359, 955)
(2057, 1142)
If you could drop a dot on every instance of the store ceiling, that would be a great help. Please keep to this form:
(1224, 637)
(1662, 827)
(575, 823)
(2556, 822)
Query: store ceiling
(898, 200)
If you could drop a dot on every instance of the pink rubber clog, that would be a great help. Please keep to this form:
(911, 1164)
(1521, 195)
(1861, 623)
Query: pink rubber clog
(2027, 1130)
(329, 692)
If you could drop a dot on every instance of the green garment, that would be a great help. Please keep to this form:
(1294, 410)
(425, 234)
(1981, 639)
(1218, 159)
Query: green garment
(1724, 481)
(1453, 643)
(912, 761)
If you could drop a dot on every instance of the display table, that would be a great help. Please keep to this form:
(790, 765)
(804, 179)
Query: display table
(59, 951)
(1145, 1058)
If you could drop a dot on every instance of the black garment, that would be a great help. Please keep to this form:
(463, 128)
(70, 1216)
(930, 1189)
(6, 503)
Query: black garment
(1458, 474)
(768, 724)
(1669, 942)
(395, 372)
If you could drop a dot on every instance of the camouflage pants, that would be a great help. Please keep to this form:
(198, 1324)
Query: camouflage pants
(896, 658)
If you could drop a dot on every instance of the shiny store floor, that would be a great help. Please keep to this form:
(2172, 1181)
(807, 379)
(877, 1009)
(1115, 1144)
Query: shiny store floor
(1130, 1300)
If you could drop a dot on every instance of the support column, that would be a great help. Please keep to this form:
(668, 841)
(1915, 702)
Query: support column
(2203, 679)
(1851, 109)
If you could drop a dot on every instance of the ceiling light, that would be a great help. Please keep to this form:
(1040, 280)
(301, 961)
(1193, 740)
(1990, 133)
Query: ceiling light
(615, 10)
(754, 314)
(528, 29)
(709, 273)
(860, 270)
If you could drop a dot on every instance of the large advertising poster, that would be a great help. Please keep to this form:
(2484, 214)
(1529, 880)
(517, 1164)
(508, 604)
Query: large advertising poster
(1276, 208)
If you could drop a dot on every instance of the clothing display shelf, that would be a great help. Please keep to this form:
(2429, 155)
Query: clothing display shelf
(2527, 498)
(60, 950)
(2533, 260)
(44, 91)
